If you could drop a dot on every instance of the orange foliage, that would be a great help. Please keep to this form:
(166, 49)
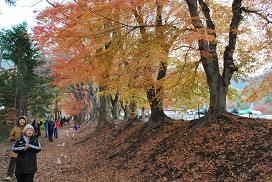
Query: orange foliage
(71, 105)
(118, 44)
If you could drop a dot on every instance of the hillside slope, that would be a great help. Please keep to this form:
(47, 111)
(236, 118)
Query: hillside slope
(231, 149)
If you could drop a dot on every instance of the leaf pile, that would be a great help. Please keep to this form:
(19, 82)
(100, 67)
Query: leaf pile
(231, 148)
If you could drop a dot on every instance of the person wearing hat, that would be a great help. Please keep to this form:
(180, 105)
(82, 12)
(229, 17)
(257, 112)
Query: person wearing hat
(15, 133)
(27, 147)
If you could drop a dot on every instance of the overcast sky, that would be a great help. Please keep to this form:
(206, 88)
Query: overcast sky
(23, 11)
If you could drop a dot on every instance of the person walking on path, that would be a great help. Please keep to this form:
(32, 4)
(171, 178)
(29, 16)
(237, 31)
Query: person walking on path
(51, 126)
(46, 128)
(27, 147)
(63, 122)
(37, 128)
(57, 127)
(76, 126)
(14, 135)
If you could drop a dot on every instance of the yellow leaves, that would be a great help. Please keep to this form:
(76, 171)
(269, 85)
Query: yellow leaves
(185, 85)
(118, 44)
(258, 88)
(233, 94)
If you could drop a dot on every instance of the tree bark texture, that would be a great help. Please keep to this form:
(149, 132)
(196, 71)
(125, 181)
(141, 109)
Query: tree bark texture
(104, 111)
(218, 83)
(115, 106)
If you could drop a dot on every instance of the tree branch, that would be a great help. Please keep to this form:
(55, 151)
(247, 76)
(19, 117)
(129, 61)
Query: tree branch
(52, 4)
(265, 17)
(33, 4)
(110, 19)
(210, 25)
(229, 67)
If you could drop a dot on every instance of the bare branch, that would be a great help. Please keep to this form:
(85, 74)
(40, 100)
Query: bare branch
(52, 4)
(32, 4)
(267, 18)
(229, 67)
(210, 25)
(110, 19)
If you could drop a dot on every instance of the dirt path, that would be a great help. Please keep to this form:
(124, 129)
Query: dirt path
(4, 159)
(49, 159)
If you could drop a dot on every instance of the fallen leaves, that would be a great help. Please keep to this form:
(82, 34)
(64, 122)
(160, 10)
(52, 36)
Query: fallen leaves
(229, 149)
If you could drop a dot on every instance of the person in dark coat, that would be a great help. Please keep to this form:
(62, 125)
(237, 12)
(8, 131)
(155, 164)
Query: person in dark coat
(37, 128)
(64, 122)
(51, 127)
(27, 147)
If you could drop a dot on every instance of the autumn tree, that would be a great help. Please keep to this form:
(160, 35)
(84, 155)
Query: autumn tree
(103, 47)
(259, 87)
(127, 47)
(218, 80)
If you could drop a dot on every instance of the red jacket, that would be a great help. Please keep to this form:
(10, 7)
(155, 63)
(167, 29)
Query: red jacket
(57, 123)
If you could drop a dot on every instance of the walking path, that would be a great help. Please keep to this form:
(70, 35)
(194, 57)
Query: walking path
(49, 159)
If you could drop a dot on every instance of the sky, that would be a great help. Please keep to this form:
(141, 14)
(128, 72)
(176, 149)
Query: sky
(23, 11)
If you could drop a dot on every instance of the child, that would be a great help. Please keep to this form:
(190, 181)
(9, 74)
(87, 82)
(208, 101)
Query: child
(26, 146)
(76, 126)
(14, 135)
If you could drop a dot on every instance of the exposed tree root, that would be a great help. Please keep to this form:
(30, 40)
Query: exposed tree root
(204, 121)
(158, 121)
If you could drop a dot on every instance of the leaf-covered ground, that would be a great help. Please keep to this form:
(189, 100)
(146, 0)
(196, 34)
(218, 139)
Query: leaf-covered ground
(230, 149)
(3, 160)
(4, 148)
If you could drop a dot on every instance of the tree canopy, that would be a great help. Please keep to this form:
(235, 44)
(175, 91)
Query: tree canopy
(163, 52)
(22, 87)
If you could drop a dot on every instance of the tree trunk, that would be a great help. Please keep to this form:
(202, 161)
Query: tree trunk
(25, 105)
(218, 83)
(76, 118)
(82, 115)
(155, 93)
(95, 109)
(125, 109)
(218, 95)
(115, 106)
(155, 97)
(156, 105)
(104, 111)
(94, 100)
(132, 107)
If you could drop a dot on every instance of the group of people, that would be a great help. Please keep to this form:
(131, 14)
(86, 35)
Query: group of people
(23, 159)
(25, 138)
(52, 127)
